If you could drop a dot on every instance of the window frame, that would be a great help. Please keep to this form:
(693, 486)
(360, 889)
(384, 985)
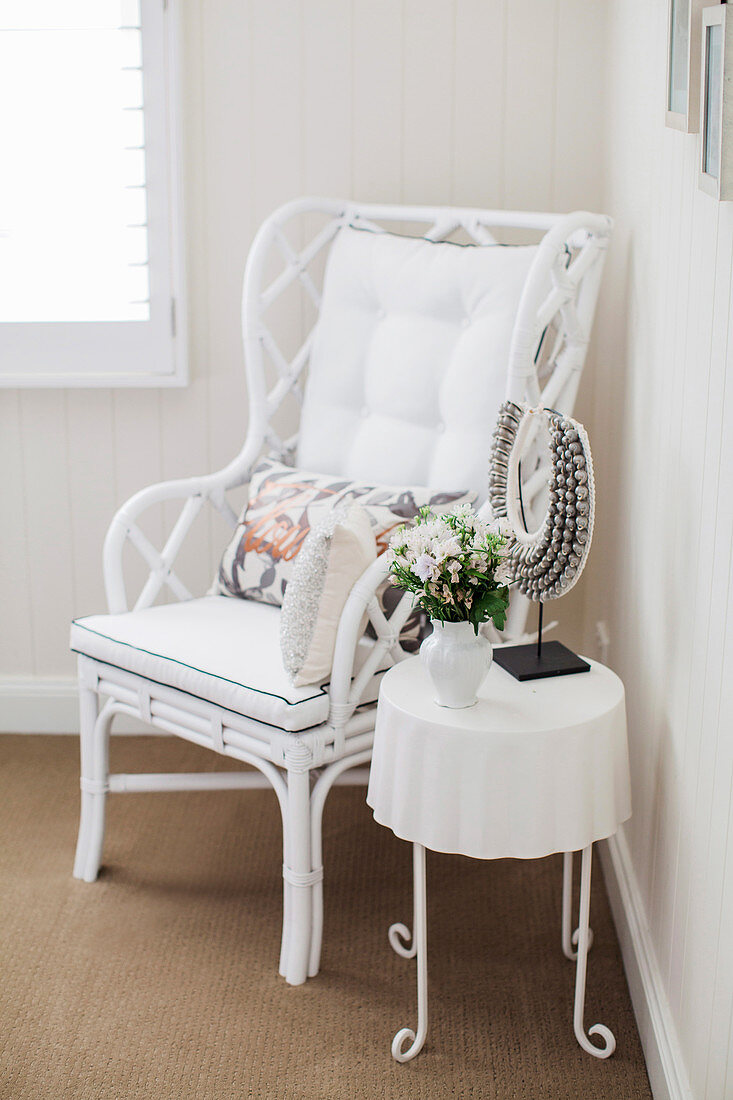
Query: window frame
(147, 354)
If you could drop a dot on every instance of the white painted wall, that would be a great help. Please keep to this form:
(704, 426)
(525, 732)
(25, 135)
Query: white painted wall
(660, 571)
(483, 102)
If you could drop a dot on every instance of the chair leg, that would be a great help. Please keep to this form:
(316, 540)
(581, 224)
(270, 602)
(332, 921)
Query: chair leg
(318, 800)
(94, 740)
(287, 914)
(298, 915)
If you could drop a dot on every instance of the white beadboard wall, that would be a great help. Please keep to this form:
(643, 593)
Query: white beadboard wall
(660, 571)
(482, 102)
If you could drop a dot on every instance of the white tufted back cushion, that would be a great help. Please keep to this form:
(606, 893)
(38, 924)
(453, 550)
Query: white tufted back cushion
(409, 361)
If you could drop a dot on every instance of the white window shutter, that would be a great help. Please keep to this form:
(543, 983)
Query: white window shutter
(90, 268)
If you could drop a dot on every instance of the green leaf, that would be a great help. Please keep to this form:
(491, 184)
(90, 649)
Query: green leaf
(499, 618)
(491, 604)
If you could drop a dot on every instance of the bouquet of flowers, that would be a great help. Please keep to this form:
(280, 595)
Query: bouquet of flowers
(455, 566)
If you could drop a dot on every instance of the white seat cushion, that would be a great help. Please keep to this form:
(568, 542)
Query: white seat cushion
(409, 359)
(225, 651)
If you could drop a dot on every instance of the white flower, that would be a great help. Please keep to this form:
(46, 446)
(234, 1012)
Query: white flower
(424, 568)
(501, 526)
(399, 541)
(420, 538)
(435, 528)
(478, 561)
(504, 573)
(446, 547)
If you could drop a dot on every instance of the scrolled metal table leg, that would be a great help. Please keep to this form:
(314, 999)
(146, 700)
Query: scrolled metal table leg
(569, 941)
(420, 943)
(582, 963)
(400, 936)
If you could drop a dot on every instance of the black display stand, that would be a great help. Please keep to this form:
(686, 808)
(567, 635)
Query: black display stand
(535, 662)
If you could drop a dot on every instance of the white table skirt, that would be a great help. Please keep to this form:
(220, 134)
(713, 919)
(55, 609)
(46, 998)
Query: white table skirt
(532, 768)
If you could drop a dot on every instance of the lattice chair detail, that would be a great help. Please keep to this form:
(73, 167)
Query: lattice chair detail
(302, 764)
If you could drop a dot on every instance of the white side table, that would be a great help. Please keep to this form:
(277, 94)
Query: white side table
(533, 768)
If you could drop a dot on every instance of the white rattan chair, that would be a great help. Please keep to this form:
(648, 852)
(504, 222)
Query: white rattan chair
(301, 764)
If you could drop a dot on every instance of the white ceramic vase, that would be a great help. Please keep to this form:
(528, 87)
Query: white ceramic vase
(457, 660)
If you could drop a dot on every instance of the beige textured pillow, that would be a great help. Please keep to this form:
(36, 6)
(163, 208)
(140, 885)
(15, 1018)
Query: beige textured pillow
(333, 557)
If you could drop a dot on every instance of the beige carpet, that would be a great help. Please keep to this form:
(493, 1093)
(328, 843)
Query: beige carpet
(160, 980)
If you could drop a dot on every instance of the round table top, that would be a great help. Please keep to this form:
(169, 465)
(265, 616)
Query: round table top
(534, 767)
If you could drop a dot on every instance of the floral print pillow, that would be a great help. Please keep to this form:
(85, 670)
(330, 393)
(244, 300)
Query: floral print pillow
(284, 503)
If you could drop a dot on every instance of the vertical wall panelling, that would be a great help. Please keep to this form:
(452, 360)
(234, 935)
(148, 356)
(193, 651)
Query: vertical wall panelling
(429, 60)
(714, 768)
(713, 1055)
(376, 68)
(327, 97)
(664, 438)
(683, 331)
(48, 528)
(92, 490)
(16, 639)
(480, 34)
(138, 461)
(278, 150)
(185, 452)
(704, 665)
(712, 1050)
(226, 151)
(185, 414)
(531, 63)
(579, 103)
(277, 60)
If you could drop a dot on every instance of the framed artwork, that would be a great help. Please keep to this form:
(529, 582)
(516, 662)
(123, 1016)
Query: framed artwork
(716, 103)
(683, 64)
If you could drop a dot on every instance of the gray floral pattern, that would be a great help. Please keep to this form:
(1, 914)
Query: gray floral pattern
(284, 503)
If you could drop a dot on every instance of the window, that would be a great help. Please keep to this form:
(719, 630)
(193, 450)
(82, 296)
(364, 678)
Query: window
(89, 269)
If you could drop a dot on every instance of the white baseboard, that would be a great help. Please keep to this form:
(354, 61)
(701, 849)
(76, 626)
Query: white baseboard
(665, 1065)
(49, 706)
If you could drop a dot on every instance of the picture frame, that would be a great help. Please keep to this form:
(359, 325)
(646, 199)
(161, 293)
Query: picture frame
(682, 98)
(715, 176)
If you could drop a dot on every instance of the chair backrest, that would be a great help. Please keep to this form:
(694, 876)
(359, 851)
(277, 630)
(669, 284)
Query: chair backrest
(479, 324)
(408, 362)
(543, 318)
